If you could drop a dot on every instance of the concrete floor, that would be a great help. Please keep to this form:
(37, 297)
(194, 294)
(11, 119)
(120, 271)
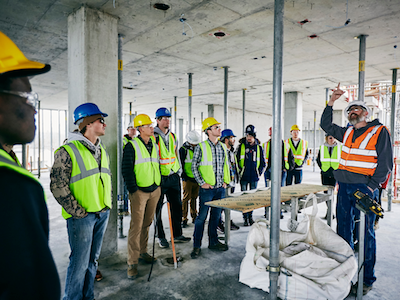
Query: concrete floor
(213, 275)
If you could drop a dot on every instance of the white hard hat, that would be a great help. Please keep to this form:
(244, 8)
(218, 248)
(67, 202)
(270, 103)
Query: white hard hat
(356, 103)
(193, 137)
(130, 125)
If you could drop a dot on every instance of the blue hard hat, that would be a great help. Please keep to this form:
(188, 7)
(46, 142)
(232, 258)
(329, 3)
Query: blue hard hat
(86, 110)
(162, 112)
(226, 132)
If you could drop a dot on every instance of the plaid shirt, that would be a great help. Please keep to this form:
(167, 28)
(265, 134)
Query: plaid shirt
(218, 160)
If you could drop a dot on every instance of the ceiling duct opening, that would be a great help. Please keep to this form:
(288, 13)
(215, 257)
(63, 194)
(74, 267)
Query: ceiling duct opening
(161, 6)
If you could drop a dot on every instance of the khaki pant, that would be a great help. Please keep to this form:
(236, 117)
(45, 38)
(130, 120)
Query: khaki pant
(143, 206)
(190, 193)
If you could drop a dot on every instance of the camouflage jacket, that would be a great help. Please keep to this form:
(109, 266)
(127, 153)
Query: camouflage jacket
(61, 174)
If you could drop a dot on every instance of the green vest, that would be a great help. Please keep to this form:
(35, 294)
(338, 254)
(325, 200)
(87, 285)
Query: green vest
(6, 161)
(329, 161)
(125, 141)
(168, 159)
(299, 153)
(243, 154)
(90, 186)
(188, 163)
(266, 146)
(206, 164)
(147, 167)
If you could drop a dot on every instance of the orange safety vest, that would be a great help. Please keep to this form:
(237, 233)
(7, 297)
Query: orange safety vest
(360, 156)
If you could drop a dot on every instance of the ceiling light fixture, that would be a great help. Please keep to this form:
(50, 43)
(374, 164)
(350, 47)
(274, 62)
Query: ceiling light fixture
(161, 6)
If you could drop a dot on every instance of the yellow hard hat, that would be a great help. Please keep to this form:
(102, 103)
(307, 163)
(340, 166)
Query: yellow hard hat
(141, 120)
(209, 122)
(294, 127)
(13, 62)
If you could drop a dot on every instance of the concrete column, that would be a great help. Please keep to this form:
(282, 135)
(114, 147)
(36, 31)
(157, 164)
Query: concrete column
(293, 112)
(338, 117)
(211, 110)
(93, 77)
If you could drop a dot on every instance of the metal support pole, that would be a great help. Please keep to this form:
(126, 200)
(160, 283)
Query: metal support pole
(39, 113)
(120, 182)
(201, 125)
(51, 137)
(326, 96)
(130, 112)
(175, 124)
(393, 132)
(180, 132)
(66, 123)
(276, 150)
(190, 101)
(226, 97)
(361, 68)
(315, 140)
(244, 110)
(361, 242)
(24, 156)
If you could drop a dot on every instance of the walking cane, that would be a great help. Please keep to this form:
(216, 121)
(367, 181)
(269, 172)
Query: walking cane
(172, 236)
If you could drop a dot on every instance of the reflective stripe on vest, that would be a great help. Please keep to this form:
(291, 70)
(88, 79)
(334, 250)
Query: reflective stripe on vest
(266, 146)
(243, 154)
(299, 153)
(360, 156)
(146, 168)
(206, 164)
(328, 161)
(188, 163)
(125, 141)
(6, 161)
(89, 184)
(168, 159)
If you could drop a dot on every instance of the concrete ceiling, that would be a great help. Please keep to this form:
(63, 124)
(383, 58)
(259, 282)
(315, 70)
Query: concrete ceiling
(155, 45)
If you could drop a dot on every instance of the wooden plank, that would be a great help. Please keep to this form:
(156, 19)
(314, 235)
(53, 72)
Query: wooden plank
(251, 200)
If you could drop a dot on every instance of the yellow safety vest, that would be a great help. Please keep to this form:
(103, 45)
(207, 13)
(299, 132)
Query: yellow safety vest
(243, 154)
(188, 163)
(147, 167)
(168, 159)
(125, 141)
(266, 146)
(299, 153)
(206, 164)
(89, 184)
(6, 161)
(328, 161)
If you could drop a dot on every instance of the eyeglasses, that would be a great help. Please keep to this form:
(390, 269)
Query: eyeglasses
(102, 121)
(216, 127)
(147, 126)
(165, 118)
(354, 108)
(32, 98)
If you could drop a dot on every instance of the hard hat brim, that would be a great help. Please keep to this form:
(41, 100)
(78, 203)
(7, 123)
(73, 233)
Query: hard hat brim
(27, 69)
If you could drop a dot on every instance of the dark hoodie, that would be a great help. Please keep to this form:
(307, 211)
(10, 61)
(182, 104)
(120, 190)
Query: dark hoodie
(383, 150)
(250, 172)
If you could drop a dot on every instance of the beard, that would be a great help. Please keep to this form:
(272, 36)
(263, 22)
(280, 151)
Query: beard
(357, 119)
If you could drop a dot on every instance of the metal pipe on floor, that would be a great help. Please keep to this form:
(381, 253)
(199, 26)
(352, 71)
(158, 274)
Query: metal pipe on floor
(190, 101)
(225, 97)
(276, 151)
(393, 133)
(244, 110)
(120, 182)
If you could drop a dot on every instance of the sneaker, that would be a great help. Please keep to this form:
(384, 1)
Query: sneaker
(234, 226)
(218, 246)
(163, 243)
(147, 258)
(221, 227)
(195, 253)
(98, 276)
(132, 271)
(184, 224)
(366, 289)
(181, 239)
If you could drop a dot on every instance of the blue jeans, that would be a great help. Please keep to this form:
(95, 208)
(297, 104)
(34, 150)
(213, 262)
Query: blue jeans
(243, 187)
(345, 213)
(297, 174)
(206, 195)
(267, 176)
(85, 238)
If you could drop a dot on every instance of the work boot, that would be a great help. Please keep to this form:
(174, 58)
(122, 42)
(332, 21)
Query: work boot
(246, 221)
(251, 221)
(218, 246)
(147, 258)
(184, 224)
(132, 271)
(366, 289)
(221, 226)
(98, 276)
(181, 239)
(163, 243)
(234, 226)
(195, 253)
